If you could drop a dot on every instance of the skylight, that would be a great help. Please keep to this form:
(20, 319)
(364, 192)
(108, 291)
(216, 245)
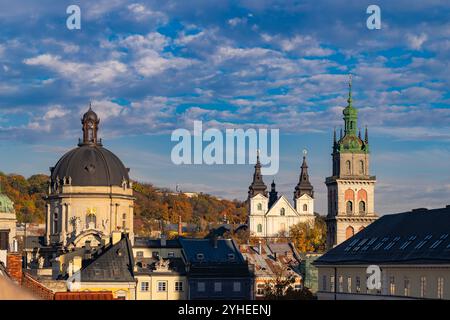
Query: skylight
(371, 242)
(360, 244)
(351, 244)
(408, 242)
(439, 241)
(392, 243)
(379, 245)
(423, 242)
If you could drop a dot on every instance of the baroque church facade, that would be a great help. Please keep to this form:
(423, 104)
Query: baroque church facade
(351, 187)
(272, 216)
(90, 193)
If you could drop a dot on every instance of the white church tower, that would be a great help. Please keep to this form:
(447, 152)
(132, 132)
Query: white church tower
(271, 216)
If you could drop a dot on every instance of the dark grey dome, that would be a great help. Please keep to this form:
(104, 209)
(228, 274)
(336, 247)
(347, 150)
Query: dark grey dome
(90, 165)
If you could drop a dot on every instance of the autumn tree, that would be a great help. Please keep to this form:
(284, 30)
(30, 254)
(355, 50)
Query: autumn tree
(309, 238)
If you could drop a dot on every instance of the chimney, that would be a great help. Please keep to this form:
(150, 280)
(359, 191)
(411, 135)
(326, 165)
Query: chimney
(116, 237)
(163, 240)
(14, 266)
(180, 226)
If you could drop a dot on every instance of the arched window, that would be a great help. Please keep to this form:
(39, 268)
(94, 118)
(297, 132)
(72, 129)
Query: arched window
(305, 207)
(282, 212)
(349, 232)
(259, 206)
(91, 221)
(361, 167)
(259, 228)
(349, 207)
(362, 207)
(348, 167)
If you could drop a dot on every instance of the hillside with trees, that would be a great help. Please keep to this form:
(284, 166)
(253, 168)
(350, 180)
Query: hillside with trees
(152, 205)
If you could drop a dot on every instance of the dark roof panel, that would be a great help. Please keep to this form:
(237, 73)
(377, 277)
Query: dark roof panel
(416, 237)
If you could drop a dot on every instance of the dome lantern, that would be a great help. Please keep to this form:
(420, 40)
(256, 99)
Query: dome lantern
(90, 122)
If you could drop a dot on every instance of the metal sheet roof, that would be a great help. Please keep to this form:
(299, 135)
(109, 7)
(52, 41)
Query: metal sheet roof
(420, 236)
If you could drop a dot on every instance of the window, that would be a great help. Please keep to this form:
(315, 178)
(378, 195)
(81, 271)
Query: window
(332, 287)
(178, 286)
(231, 256)
(162, 286)
(362, 207)
(381, 243)
(200, 256)
(217, 286)
(140, 254)
(440, 288)
(171, 254)
(423, 242)
(392, 243)
(392, 286)
(349, 232)
(144, 286)
(349, 207)
(324, 283)
(259, 206)
(358, 284)
(438, 242)
(341, 284)
(361, 167)
(305, 207)
(349, 284)
(371, 242)
(282, 212)
(201, 287)
(236, 286)
(407, 288)
(423, 286)
(408, 242)
(259, 227)
(155, 254)
(260, 289)
(348, 166)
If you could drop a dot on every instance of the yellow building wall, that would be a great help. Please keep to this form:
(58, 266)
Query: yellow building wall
(154, 294)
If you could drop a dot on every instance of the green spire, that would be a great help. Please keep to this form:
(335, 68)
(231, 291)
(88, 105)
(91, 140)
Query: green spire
(350, 113)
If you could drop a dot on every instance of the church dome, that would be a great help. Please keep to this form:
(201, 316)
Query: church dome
(90, 164)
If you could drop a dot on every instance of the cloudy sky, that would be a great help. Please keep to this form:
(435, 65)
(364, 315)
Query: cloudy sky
(153, 66)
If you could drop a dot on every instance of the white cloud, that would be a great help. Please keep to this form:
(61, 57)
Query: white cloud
(416, 41)
(101, 72)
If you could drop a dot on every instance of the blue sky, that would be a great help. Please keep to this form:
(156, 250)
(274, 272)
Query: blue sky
(153, 66)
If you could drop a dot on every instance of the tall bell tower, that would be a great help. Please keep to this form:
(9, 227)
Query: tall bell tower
(351, 187)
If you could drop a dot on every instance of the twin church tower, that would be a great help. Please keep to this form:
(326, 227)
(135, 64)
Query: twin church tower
(350, 191)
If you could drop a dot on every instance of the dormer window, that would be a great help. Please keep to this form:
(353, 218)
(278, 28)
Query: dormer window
(231, 256)
(200, 256)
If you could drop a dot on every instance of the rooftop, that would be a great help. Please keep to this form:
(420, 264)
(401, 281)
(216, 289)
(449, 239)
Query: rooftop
(420, 236)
